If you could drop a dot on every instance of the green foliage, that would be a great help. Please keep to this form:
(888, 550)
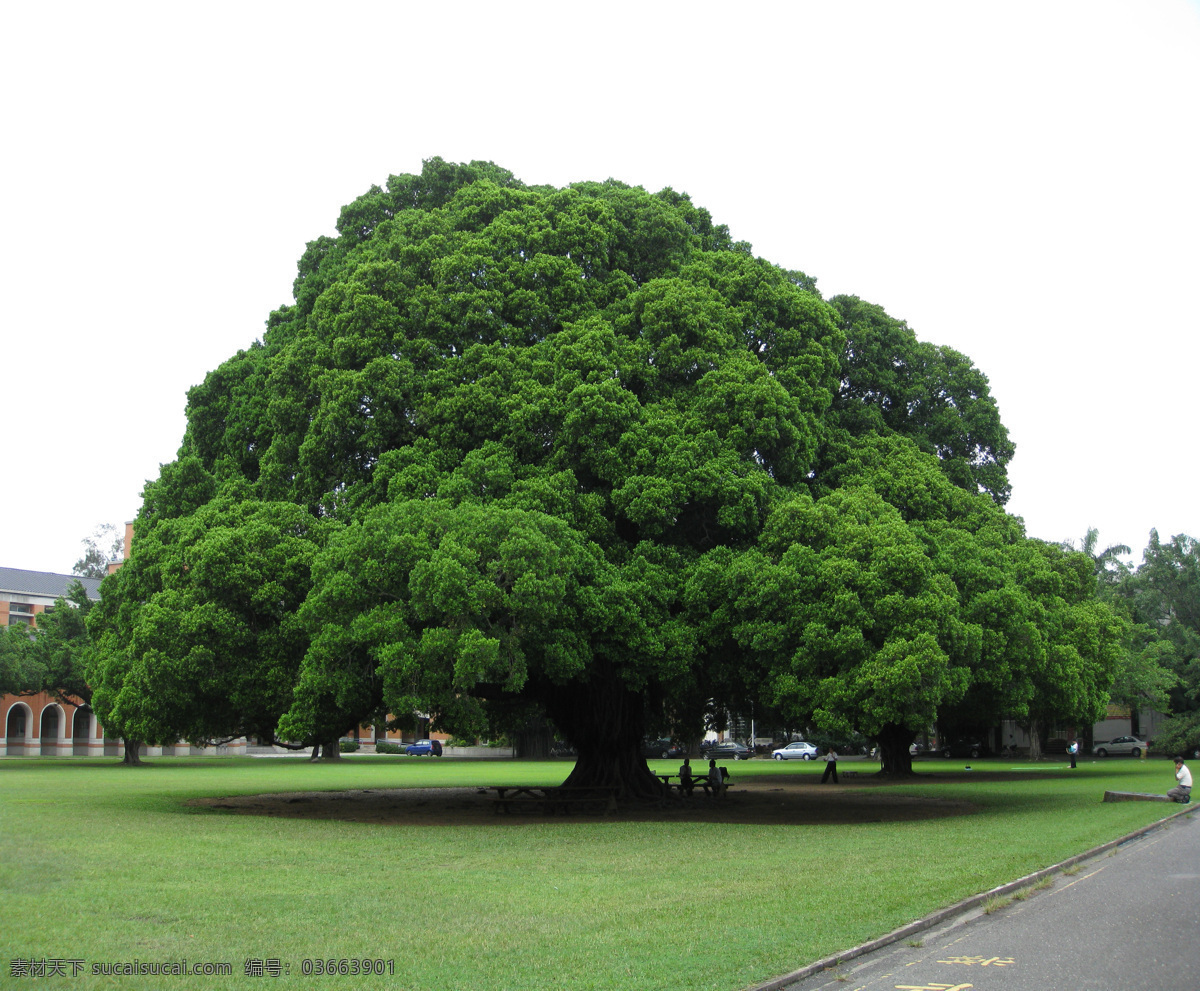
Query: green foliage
(1180, 735)
(1161, 668)
(63, 648)
(516, 452)
(199, 630)
(53, 656)
(383, 747)
(21, 671)
(863, 631)
(929, 393)
(1108, 564)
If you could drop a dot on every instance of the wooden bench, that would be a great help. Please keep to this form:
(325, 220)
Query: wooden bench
(698, 784)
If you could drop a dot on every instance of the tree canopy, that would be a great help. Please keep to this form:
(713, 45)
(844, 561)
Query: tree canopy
(1162, 598)
(578, 449)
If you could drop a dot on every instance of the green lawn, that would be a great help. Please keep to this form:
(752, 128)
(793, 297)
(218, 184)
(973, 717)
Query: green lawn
(103, 863)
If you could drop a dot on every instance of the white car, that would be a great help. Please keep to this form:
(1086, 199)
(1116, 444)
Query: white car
(799, 749)
(1121, 745)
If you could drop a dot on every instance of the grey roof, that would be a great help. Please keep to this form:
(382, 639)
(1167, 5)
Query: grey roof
(16, 581)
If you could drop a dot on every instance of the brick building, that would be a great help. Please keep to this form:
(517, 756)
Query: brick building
(40, 724)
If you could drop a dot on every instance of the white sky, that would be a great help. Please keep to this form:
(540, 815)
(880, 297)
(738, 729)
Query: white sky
(1019, 181)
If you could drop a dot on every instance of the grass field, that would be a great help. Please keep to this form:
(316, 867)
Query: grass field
(100, 863)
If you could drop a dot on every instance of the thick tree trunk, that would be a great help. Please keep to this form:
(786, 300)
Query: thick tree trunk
(1035, 741)
(535, 743)
(894, 757)
(605, 723)
(326, 750)
(132, 758)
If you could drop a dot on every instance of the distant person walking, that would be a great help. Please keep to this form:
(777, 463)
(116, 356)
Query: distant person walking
(830, 766)
(1072, 750)
(1182, 792)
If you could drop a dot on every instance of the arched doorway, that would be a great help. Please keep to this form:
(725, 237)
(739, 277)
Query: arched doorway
(81, 732)
(52, 719)
(16, 729)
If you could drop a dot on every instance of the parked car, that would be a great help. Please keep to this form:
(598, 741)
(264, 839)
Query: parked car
(842, 745)
(423, 748)
(800, 750)
(663, 748)
(956, 748)
(966, 748)
(1121, 745)
(726, 750)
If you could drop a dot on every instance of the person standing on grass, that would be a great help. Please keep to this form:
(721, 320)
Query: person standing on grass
(1072, 750)
(830, 766)
(1182, 792)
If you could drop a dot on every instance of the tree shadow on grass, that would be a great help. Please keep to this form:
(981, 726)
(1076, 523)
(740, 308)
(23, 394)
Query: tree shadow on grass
(767, 801)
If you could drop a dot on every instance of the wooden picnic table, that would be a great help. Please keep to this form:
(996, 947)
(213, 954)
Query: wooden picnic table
(698, 781)
(557, 798)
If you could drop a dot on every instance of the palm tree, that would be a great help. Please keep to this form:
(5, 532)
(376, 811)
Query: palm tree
(1104, 561)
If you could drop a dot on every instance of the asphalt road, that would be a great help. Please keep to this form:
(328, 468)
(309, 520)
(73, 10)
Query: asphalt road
(1128, 920)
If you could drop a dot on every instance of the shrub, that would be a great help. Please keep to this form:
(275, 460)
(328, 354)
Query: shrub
(386, 748)
(347, 746)
(1179, 735)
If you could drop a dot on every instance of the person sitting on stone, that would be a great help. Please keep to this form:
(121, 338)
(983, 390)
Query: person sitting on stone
(1182, 792)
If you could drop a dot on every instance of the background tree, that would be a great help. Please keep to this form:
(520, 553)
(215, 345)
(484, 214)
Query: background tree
(21, 672)
(102, 548)
(1107, 563)
(53, 656)
(62, 647)
(205, 614)
(1163, 599)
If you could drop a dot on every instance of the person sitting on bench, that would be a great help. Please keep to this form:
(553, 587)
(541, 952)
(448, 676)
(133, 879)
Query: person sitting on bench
(685, 776)
(716, 778)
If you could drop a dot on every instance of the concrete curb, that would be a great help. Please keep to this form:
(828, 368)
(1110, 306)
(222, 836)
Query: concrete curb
(942, 914)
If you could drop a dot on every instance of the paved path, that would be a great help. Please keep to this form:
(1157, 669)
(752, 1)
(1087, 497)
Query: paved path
(1129, 920)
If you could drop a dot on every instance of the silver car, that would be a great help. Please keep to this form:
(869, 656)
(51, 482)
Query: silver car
(799, 749)
(1121, 745)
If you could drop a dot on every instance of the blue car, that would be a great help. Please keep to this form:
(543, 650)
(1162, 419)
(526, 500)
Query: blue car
(423, 748)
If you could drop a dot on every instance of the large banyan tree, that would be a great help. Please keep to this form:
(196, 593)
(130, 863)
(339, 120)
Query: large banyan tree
(575, 450)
